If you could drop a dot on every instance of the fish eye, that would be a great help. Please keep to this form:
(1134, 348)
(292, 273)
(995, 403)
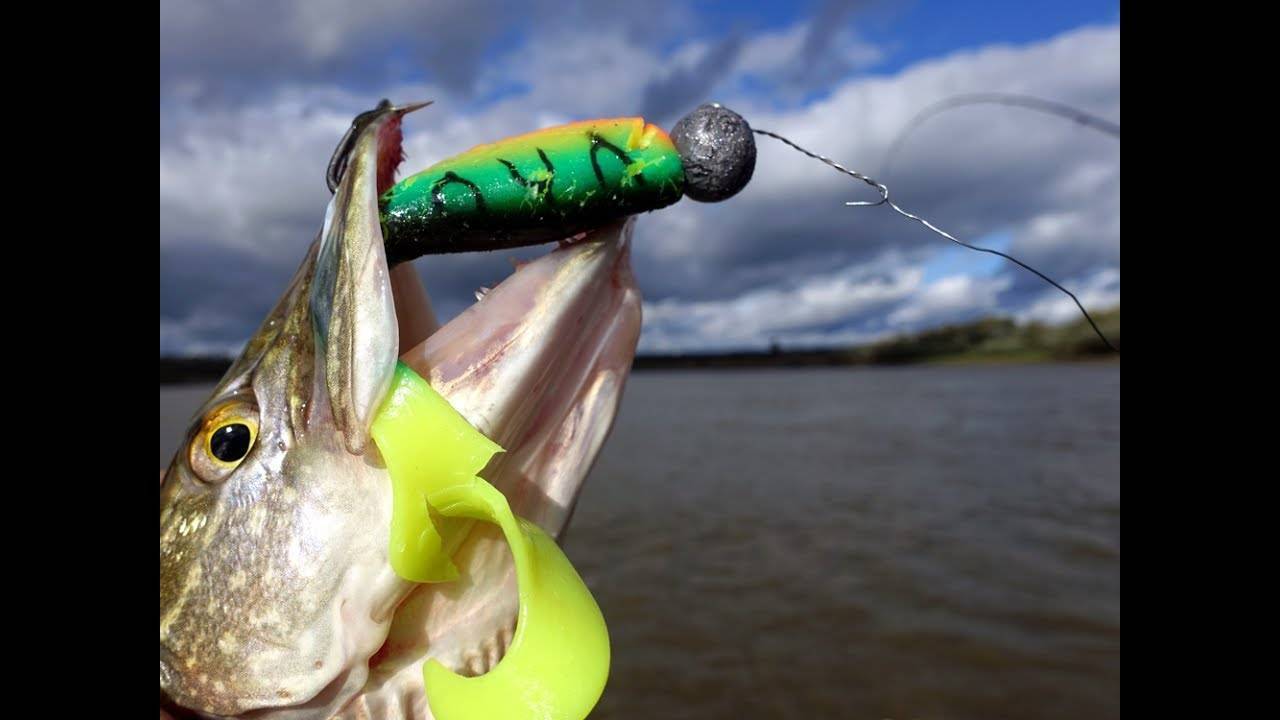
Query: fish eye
(230, 443)
(223, 440)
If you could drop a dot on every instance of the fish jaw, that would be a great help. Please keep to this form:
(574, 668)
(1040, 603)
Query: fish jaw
(538, 365)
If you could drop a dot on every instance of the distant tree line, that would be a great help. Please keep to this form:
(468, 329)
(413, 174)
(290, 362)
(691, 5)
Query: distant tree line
(998, 338)
(995, 339)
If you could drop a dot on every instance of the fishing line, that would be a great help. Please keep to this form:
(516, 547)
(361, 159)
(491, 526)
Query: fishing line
(709, 156)
(1026, 102)
(884, 200)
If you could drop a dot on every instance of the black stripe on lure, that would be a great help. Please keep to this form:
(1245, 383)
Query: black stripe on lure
(557, 182)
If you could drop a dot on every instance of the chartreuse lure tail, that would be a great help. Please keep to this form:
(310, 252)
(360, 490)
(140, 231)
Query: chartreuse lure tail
(558, 660)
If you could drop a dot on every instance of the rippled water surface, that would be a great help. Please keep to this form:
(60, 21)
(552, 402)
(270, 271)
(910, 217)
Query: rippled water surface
(938, 542)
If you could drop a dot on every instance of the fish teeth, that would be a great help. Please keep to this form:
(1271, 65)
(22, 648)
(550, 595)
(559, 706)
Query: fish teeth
(482, 292)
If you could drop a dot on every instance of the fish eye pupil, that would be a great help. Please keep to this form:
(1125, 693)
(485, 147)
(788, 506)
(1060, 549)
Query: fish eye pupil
(230, 443)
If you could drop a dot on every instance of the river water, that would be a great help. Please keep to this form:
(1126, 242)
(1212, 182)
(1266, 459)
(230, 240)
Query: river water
(905, 543)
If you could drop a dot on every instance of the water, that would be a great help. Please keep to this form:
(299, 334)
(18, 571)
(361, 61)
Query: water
(935, 543)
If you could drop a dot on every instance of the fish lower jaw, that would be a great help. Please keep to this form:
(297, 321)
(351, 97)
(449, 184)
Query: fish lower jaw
(539, 366)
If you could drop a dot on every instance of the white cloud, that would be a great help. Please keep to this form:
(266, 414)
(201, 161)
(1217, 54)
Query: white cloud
(949, 297)
(761, 316)
(1101, 290)
(780, 56)
(784, 259)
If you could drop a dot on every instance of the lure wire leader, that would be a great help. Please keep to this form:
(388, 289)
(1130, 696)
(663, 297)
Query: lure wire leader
(884, 200)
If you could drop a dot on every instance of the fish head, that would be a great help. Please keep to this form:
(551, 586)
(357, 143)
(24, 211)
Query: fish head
(276, 591)
(271, 578)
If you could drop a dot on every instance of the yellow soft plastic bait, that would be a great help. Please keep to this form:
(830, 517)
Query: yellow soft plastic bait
(558, 660)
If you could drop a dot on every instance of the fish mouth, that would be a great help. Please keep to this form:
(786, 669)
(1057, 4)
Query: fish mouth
(539, 362)
(538, 365)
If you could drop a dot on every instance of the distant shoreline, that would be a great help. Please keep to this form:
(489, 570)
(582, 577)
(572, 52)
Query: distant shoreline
(179, 372)
(991, 341)
(188, 371)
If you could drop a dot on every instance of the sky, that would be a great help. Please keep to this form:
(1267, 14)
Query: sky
(254, 97)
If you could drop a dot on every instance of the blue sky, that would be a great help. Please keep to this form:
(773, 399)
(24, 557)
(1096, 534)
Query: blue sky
(254, 96)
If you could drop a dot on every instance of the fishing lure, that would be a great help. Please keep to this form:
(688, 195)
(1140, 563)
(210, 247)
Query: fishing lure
(558, 182)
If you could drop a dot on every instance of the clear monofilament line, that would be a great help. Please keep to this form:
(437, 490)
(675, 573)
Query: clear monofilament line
(1027, 102)
(884, 200)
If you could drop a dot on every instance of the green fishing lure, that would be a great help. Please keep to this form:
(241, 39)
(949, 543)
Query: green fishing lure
(534, 188)
(555, 183)
(558, 182)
